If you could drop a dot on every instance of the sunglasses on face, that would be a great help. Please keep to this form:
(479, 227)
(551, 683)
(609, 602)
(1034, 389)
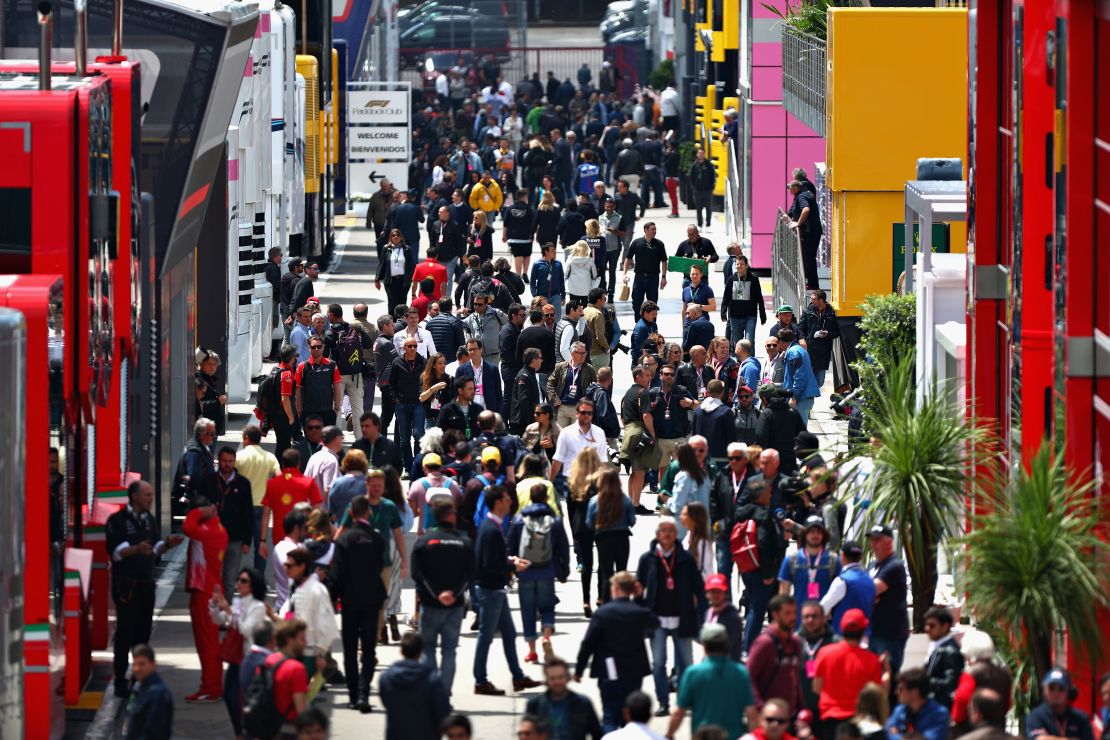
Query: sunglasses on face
(313, 428)
(776, 720)
(244, 579)
(667, 375)
(742, 396)
(540, 412)
(583, 412)
(736, 459)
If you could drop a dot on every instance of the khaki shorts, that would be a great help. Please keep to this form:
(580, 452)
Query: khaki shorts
(668, 450)
(642, 462)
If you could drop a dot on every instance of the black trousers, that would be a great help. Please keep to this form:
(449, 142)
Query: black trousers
(396, 292)
(388, 408)
(134, 615)
(810, 244)
(612, 556)
(359, 625)
(284, 433)
(703, 201)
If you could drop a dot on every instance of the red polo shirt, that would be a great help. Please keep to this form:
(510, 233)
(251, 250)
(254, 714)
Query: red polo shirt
(433, 269)
(845, 670)
(285, 491)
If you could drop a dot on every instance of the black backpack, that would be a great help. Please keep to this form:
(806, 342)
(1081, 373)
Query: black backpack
(269, 393)
(348, 350)
(261, 717)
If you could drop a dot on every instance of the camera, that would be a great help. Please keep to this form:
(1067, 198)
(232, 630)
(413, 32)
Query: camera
(646, 443)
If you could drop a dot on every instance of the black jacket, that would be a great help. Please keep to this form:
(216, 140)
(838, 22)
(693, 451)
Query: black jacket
(543, 339)
(453, 243)
(302, 291)
(583, 718)
(813, 321)
(772, 546)
(526, 395)
(688, 585)
(447, 332)
(944, 667)
(571, 228)
(724, 498)
(630, 207)
(494, 568)
(356, 568)
(410, 264)
(617, 630)
(451, 416)
(703, 176)
(736, 308)
(605, 413)
(547, 225)
(415, 700)
(747, 421)
(715, 423)
(383, 452)
(442, 560)
(385, 352)
(506, 345)
(235, 504)
(778, 425)
(518, 221)
(405, 380)
(730, 619)
(686, 376)
(288, 285)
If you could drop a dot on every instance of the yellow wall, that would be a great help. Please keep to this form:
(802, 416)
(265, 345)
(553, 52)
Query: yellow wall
(896, 91)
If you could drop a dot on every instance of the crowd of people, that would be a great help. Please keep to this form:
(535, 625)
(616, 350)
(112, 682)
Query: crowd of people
(498, 441)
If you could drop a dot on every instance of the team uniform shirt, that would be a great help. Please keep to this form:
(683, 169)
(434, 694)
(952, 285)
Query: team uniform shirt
(289, 679)
(258, 466)
(431, 268)
(286, 491)
(207, 547)
(1072, 724)
(845, 669)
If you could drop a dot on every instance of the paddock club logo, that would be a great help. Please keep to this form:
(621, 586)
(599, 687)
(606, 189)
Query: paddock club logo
(378, 109)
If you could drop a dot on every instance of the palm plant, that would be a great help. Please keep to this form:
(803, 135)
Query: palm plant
(807, 16)
(1033, 564)
(921, 472)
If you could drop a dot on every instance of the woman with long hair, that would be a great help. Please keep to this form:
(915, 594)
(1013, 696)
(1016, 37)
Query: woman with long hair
(547, 219)
(580, 491)
(542, 435)
(395, 268)
(872, 711)
(395, 493)
(596, 243)
(480, 239)
(690, 484)
(533, 470)
(611, 517)
(580, 272)
(438, 388)
(246, 612)
(695, 518)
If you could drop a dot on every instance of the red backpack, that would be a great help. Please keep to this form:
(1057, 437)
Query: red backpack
(743, 543)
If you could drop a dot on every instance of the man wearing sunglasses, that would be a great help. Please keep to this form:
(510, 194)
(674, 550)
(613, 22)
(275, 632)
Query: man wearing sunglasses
(319, 385)
(577, 437)
(716, 691)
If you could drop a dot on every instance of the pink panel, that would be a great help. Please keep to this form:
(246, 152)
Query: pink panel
(761, 251)
(758, 11)
(767, 83)
(797, 128)
(768, 121)
(767, 54)
(803, 153)
(768, 161)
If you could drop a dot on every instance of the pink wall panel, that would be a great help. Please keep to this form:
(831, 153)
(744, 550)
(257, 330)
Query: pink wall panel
(758, 11)
(797, 128)
(761, 251)
(768, 163)
(767, 83)
(768, 120)
(767, 54)
(803, 152)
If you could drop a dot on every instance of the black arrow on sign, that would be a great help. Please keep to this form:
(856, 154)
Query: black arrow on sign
(374, 176)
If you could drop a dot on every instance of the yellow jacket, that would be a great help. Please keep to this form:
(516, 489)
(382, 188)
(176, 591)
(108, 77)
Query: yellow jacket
(486, 198)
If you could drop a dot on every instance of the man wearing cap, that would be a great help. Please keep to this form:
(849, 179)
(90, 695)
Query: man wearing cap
(798, 378)
(475, 488)
(1055, 718)
(851, 589)
(810, 571)
(433, 485)
(890, 626)
(759, 584)
(323, 466)
(784, 317)
(916, 713)
(722, 612)
(842, 670)
(717, 691)
(745, 415)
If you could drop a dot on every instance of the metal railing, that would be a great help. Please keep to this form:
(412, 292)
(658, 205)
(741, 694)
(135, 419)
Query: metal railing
(732, 196)
(824, 204)
(803, 78)
(788, 283)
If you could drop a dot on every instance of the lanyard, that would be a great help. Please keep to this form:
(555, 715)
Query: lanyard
(668, 565)
(666, 402)
(737, 485)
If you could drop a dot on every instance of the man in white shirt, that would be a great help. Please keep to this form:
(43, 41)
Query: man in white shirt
(670, 108)
(637, 715)
(296, 529)
(323, 466)
(577, 437)
(425, 345)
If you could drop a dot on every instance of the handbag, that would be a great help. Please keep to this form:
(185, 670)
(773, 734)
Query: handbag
(231, 647)
(625, 290)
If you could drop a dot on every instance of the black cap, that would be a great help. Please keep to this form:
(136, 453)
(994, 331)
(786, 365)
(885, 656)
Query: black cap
(881, 530)
(852, 548)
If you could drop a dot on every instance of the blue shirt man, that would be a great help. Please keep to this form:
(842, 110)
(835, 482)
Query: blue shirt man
(916, 712)
(851, 589)
(798, 377)
(812, 569)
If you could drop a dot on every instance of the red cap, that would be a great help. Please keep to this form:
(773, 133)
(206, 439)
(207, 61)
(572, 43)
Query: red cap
(854, 620)
(746, 389)
(716, 582)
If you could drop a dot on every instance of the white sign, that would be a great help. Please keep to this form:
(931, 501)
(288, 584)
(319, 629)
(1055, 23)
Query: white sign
(366, 177)
(378, 106)
(378, 142)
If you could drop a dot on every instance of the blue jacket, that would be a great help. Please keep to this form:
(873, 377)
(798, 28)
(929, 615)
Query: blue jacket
(931, 721)
(547, 280)
(799, 377)
(559, 567)
(640, 333)
(491, 382)
(749, 372)
(407, 217)
(860, 595)
(150, 711)
(700, 332)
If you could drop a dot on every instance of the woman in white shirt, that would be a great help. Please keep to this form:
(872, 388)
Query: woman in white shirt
(580, 272)
(246, 613)
(311, 603)
(695, 519)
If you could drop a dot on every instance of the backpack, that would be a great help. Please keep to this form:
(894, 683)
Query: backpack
(481, 511)
(610, 317)
(431, 495)
(348, 350)
(743, 543)
(535, 540)
(261, 716)
(269, 393)
(830, 565)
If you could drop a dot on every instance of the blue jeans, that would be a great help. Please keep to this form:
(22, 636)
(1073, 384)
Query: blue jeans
(613, 695)
(644, 286)
(820, 375)
(724, 559)
(895, 647)
(536, 596)
(740, 329)
(446, 624)
(451, 266)
(804, 406)
(652, 182)
(410, 428)
(683, 657)
(759, 594)
(494, 615)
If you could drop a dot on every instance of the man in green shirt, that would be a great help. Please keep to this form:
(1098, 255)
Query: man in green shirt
(385, 518)
(717, 690)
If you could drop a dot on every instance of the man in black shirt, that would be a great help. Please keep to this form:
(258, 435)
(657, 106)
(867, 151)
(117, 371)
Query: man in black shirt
(890, 625)
(806, 218)
(510, 365)
(134, 541)
(273, 277)
(385, 352)
(406, 385)
(664, 416)
(288, 285)
(630, 207)
(462, 413)
(306, 286)
(632, 419)
(379, 450)
(650, 276)
(540, 337)
(231, 493)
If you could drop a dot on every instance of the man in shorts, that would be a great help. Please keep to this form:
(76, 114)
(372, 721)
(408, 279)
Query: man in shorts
(665, 416)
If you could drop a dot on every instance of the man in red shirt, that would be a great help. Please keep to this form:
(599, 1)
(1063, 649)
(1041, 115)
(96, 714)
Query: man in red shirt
(290, 678)
(319, 385)
(431, 268)
(207, 546)
(284, 419)
(843, 669)
(283, 492)
(423, 301)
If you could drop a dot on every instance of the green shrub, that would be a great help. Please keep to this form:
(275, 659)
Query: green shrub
(662, 75)
(888, 335)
